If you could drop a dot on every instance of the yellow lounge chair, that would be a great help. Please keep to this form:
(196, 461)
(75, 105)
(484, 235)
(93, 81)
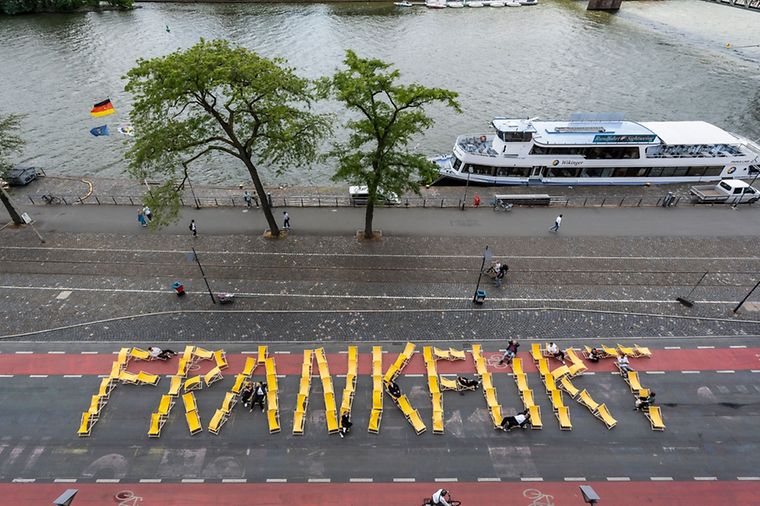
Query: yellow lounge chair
(433, 385)
(165, 405)
(550, 384)
(193, 383)
(441, 354)
(654, 415)
(128, 377)
(96, 404)
(416, 421)
(585, 398)
(543, 367)
(123, 357)
(496, 416)
(610, 352)
(212, 376)
(217, 421)
(147, 378)
(139, 354)
(448, 384)
(627, 350)
(273, 417)
(116, 370)
(490, 396)
(156, 423)
(576, 369)
(559, 372)
(563, 415)
(175, 383)
(203, 353)
(240, 380)
(456, 354)
(230, 399)
(633, 382)
(220, 357)
(437, 422)
(535, 352)
(299, 419)
(486, 380)
(250, 366)
(188, 400)
(535, 417)
(332, 421)
(522, 381)
(106, 385)
(86, 425)
(404, 405)
(568, 387)
(408, 351)
(377, 399)
(604, 415)
(183, 366)
(263, 354)
(517, 367)
(193, 422)
(642, 351)
(374, 421)
(527, 398)
(557, 402)
(427, 354)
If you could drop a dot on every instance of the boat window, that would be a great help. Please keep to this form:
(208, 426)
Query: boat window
(591, 153)
(457, 163)
(516, 136)
(696, 171)
(714, 171)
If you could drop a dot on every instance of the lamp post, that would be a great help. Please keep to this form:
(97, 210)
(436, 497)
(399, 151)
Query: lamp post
(487, 256)
(467, 185)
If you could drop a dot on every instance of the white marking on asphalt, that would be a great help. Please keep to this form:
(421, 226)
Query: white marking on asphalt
(150, 480)
(234, 480)
(588, 373)
(65, 480)
(63, 295)
(193, 480)
(318, 480)
(531, 479)
(360, 480)
(282, 353)
(290, 254)
(618, 478)
(413, 375)
(705, 478)
(574, 478)
(725, 371)
(403, 480)
(660, 478)
(655, 372)
(107, 480)
(445, 479)
(72, 375)
(754, 370)
(89, 353)
(672, 348)
(690, 372)
(277, 480)
(489, 479)
(705, 347)
(38, 375)
(24, 352)
(380, 297)
(748, 478)
(24, 480)
(56, 352)
(248, 352)
(738, 347)
(6, 375)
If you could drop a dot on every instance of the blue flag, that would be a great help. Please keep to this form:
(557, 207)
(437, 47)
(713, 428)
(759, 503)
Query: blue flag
(101, 130)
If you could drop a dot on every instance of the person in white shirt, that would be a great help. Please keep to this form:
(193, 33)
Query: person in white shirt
(439, 497)
(519, 420)
(557, 223)
(623, 364)
(553, 350)
(159, 354)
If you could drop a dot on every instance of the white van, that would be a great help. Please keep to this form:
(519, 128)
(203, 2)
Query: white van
(360, 194)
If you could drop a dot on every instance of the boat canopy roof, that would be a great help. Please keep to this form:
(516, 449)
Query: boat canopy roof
(617, 132)
(690, 133)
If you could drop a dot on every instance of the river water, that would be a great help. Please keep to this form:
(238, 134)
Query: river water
(654, 60)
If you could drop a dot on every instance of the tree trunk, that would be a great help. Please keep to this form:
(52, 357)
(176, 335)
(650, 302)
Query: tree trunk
(9, 206)
(273, 228)
(368, 218)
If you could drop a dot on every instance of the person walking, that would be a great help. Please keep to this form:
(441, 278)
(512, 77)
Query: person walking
(141, 217)
(285, 220)
(148, 213)
(193, 228)
(247, 198)
(557, 223)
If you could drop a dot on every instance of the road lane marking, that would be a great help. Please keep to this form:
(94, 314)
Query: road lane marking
(403, 480)
(150, 480)
(574, 478)
(24, 480)
(58, 352)
(38, 375)
(277, 480)
(618, 478)
(89, 353)
(531, 479)
(489, 479)
(441, 480)
(360, 480)
(107, 480)
(72, 375)
(690, 372)
(318, 480)
(655, 372)
(748, 478)
(234, 480)
(65, 480)
(193, 480)
(726, 371)
(63, 295)
(671, 347)
(24, 352)
(738, 347)
(6, 375)
(705, 478)
(705, 347)
(660, 478)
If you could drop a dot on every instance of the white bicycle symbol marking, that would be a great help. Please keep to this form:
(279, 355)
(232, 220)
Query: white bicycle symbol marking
(538, 498)
(127, 498)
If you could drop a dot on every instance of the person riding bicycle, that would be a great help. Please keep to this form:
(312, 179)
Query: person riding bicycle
(440, 497)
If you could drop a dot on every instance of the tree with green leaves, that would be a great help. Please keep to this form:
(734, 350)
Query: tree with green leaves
(388, 115)
(218, 98)
(10, 142)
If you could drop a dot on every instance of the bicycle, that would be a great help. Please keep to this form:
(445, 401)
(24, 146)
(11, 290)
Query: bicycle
(428, 501)
(500, 205)
(51, 199)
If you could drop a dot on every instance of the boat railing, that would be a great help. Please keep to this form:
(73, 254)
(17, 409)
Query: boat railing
(477, 144)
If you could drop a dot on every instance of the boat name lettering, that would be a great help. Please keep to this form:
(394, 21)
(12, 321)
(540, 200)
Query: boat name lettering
(572, 162)
(624, 138)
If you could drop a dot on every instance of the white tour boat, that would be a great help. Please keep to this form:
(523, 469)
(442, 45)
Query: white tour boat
(474, 3)
(435, 4)
(599, 150)
(512, 3)
(496, 3)
(455, 4)
(528, 2)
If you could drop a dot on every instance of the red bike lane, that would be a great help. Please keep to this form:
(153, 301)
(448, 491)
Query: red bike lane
(388, 494)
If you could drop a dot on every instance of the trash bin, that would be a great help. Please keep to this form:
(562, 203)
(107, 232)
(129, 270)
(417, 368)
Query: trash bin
(178, 287)
(480, 296)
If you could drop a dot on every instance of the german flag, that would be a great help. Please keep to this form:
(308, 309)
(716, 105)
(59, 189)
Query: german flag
(103, 108)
